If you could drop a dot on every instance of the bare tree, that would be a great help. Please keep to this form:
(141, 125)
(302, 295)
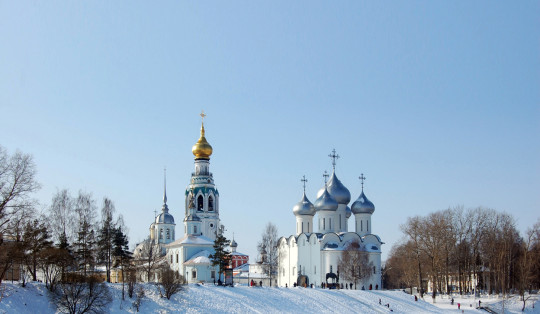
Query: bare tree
(61, 216)
(171, 281)
(17, 183)
(401, 268)
(148, 258)
(354, 264)
(527, 261)
(412, 229)
(268, 250)
(82, 295)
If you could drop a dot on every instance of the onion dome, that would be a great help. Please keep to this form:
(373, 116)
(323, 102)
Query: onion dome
(348, 212)
(338, 191)
(362, 205)
(326, 202)
(202, 149)
(304, 207)
(165, 218)
(234, 244)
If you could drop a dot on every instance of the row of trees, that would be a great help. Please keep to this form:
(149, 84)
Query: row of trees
(460, 250)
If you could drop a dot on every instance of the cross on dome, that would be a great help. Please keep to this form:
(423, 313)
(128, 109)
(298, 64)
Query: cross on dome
(334, 156)
(203, 115)
(362, 178)
(325, 175)
(304, 180)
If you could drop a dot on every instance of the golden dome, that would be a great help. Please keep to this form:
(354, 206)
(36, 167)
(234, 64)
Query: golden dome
(202, 149)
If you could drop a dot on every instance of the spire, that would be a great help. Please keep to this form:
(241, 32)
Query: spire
(165, 186)
(362, 178)
(334, 156)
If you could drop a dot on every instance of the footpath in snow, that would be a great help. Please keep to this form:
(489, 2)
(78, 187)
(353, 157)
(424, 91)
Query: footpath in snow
(241, 299)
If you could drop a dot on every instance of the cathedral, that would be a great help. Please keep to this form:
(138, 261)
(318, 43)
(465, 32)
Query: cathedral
(310, 257)
(190, 255)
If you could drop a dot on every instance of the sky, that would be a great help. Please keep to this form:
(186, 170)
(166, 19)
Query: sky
(436, 103)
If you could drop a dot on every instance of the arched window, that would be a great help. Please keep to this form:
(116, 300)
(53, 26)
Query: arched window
(200, 202)
(168, 234)
(161, 233)
(194, 229)
(210, 203)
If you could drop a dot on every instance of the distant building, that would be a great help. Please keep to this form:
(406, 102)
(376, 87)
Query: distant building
(310, 257)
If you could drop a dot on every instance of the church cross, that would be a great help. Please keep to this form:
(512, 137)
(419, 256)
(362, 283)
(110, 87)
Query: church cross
(155, 213)
(362, 178)
(304, 180)
(325, 175)
(334, 156)
(203, 115)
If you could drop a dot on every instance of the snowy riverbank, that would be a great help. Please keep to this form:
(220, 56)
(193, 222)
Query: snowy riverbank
(241, 299)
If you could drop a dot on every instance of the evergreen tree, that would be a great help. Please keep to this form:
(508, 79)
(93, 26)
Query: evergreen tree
(35, 240)
(85, 248)
(221, 256)
(121, 252)
(106, 236)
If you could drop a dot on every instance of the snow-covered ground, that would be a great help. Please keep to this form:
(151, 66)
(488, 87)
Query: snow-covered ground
(242, 299)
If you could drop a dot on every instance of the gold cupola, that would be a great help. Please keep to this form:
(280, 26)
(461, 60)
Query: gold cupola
(202, 149)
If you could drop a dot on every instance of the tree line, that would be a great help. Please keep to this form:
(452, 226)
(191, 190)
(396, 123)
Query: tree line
(464, 251)
(64, 244)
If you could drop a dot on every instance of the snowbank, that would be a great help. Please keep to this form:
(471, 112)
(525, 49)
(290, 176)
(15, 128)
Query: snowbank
(242, 299)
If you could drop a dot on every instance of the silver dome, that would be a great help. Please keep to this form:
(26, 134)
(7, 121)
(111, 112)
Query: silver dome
(164, 218)
(326, 202)
(234, 244)
(348, 212)
(362, 205)
(304, 207)
(340, 193)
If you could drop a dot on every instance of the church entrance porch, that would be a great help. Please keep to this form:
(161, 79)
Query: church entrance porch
(302, 281)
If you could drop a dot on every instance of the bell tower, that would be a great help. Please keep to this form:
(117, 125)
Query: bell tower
(201, 193)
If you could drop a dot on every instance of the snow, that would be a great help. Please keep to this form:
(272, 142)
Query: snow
(241, 299)
(201, 258)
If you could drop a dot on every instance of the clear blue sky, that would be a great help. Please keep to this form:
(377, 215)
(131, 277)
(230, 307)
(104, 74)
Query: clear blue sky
(437, 103)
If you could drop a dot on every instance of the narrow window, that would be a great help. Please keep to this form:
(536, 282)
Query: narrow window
(210, 203)
(330, 268)
(374, 270)
(194, 274)
(171, 258)
(330, 223)
(161, 233)
(213, 274)
(194, 229)
(177, 258)
(308, 227)
(324, 223)
(361, 225)
(302, 227)
(315, 269)
(168, 234)
(340, 221)
(367, 225)
(200, 202)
